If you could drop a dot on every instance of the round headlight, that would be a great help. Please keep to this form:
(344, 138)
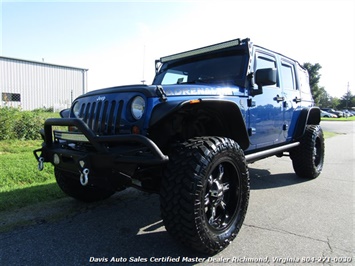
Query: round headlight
(137, 107)
(76, 109)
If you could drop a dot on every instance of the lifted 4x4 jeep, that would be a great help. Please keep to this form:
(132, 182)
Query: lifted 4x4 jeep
(189, 137)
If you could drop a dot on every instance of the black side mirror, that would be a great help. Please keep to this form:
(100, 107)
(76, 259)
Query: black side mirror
(264, 77)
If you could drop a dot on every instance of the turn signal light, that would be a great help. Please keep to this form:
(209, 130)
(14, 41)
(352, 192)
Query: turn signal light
(195, 101)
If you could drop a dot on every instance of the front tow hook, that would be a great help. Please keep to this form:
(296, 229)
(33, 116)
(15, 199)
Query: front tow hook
(84, 177)
(40, 163)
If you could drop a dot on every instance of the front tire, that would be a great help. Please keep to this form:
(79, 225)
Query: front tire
(205, 193)
(308, 157)
(70, 185)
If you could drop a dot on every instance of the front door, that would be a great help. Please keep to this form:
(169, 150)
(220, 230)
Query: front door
(266, 116)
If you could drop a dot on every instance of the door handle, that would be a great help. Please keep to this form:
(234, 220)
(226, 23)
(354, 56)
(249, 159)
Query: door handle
(297, 100)
(278, 98)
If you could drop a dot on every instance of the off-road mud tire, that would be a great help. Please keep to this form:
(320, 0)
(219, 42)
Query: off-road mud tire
(205, 193)
(308, 157)
(70, 185)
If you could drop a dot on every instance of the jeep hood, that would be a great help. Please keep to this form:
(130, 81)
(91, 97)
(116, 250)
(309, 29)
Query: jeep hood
(149, 91)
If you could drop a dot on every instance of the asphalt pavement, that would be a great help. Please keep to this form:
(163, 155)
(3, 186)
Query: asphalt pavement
(290, 221)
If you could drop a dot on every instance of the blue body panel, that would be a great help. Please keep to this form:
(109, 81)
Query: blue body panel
(269, 121)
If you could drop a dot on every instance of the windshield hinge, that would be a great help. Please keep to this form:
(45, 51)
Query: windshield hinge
(161, 93)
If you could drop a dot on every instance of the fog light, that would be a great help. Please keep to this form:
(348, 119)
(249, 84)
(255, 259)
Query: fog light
(56, 159)
(135, 130)
(73, 129)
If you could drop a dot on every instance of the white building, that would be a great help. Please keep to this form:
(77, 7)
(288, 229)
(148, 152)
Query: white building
(31, 85)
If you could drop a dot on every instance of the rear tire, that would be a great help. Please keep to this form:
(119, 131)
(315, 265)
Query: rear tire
(70, 185)
(308, 157)
(205, 193)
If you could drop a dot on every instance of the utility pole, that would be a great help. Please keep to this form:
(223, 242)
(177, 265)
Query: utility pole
(347, 96)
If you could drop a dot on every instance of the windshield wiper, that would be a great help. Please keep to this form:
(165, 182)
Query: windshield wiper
(199, 81)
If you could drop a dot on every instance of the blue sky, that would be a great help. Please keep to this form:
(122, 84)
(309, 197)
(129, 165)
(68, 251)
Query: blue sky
(118, 41)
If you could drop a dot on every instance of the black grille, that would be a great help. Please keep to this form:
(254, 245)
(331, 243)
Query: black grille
(103, 117)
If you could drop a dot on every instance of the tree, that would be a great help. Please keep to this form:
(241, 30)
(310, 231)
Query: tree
(320, 96)
(334, 102)
(324, 99)
(347, 101)
(313, 70)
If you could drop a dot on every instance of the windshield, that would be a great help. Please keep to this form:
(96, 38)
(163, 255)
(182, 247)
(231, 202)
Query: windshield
(223, 69)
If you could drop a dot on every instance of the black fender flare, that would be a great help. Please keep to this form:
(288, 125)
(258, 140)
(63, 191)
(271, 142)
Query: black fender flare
(65, 113)
(229, 110)
(308, 116)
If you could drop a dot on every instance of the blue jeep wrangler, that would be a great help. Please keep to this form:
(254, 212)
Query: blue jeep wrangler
(189, 137)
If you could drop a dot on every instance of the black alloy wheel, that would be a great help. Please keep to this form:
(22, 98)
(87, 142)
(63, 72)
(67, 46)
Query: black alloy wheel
(205, 193)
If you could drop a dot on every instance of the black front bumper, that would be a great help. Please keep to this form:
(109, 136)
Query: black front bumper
(128, 149)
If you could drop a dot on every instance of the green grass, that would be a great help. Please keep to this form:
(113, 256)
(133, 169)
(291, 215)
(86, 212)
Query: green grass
(328, 135)
(352, 118)
(21, 183)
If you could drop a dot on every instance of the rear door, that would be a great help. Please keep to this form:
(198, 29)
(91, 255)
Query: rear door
(291, 94)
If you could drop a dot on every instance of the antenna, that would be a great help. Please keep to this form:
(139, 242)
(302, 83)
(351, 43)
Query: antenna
(143, 80)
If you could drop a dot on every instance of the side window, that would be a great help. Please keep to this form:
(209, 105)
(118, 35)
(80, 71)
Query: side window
(265, 61)
(304, 80)
(288, 76)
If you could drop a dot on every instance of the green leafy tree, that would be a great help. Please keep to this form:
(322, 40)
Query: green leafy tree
(347, 101)
(324, 99)
(334, 102)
